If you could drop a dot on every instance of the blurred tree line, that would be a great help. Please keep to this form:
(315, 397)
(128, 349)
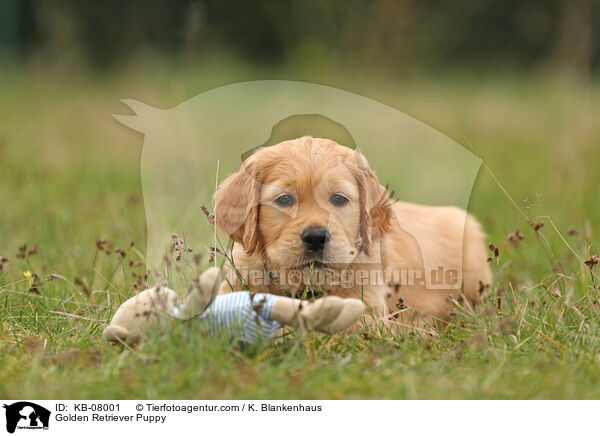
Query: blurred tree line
(396, 35)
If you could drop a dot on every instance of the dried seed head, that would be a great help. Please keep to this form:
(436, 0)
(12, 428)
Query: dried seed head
(22, 252)
(53, 276)
(482, 287)
(104, 245)
(592, 261)
(537, 225)
(515, 237)
(34, 281)
(495, 251)
(83, 284)
(3, 261)
(210, 216)
(400, 305)
(25, 252)
(178, 244)
(258, 307)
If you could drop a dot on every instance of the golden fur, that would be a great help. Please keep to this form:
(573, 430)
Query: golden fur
(404, 260)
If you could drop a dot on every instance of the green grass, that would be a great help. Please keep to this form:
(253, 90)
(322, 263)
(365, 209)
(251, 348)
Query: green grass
(69, 175)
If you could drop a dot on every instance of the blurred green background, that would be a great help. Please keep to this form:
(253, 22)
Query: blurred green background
(517, 82)
(391, 36)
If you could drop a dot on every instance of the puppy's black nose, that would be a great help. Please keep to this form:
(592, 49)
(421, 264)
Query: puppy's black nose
(315, 239)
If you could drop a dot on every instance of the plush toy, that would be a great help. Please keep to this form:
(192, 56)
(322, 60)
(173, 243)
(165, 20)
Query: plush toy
(243, 316)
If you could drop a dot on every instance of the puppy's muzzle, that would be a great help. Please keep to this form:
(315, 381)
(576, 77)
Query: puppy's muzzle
(315, 240)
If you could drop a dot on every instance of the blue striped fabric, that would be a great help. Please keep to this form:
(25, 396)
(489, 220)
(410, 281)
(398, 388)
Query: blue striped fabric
(241, 317)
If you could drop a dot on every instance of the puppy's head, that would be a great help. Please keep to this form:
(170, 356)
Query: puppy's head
(302, 201)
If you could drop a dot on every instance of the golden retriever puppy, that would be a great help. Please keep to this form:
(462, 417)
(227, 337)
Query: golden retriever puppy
(308, 217)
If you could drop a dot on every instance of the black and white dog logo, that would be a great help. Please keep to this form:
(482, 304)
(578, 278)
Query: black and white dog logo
(26, 415)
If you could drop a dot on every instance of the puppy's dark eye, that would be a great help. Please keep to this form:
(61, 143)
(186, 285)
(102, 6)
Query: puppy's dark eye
(285, 200)
(338, 200)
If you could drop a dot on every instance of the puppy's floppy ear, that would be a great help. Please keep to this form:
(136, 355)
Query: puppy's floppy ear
(236, 206)
(375, 206)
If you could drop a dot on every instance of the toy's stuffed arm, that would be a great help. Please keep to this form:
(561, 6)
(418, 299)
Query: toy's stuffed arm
(200, 295)
(241, 315)
(138, 314)
(328, 315)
